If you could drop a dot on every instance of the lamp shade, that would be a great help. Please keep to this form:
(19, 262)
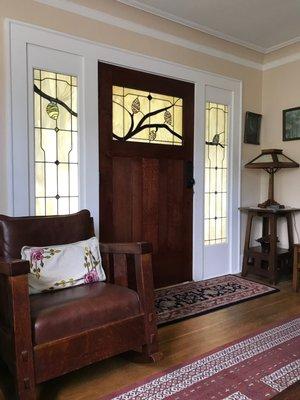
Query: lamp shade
(272, 159)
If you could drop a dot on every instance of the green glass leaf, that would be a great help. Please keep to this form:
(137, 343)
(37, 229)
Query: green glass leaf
(168, 117)
(52, 110)
(136, 106)
(152, 135)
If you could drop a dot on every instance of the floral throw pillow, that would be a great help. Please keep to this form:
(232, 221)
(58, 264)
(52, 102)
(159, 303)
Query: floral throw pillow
(58, 267)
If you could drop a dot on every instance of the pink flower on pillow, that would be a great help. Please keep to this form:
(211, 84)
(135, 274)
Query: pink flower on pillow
(91, 276)
(37, 254)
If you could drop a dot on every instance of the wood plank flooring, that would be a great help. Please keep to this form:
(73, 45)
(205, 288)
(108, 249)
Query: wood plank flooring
(179, 342)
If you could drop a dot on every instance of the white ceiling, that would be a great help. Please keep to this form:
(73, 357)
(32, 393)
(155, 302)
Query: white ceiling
(263, 25)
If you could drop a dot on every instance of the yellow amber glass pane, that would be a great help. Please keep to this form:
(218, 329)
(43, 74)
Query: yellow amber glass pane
(39, 179)
(48, 144)
(56, 142)
(73, 155)
(146, 117)
(74, 180)
(64, 145)
(51, 206)
(63, 206)
(216, 173)
(51, 179)
(39, 152)
(74, 204)
(40, 207)
(63, 178)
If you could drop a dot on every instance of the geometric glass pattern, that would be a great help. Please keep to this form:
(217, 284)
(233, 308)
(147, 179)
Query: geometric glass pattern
(55, 143)
(141, 116)
(216, 174)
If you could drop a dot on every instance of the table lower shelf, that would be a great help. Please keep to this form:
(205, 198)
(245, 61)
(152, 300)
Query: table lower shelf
(258, 262)
(258, 251)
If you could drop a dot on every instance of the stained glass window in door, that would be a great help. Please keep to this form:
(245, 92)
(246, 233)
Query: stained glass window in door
(216, 174)
(55, 143)
(140, 116)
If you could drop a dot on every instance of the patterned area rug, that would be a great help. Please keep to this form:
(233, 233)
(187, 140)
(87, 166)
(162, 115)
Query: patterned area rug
(257, 367)
(195, 298)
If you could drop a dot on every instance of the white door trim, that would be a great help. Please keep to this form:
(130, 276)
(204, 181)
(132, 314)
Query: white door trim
(21, 35)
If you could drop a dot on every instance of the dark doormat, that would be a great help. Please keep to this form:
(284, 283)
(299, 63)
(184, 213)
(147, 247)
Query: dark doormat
(195, 298)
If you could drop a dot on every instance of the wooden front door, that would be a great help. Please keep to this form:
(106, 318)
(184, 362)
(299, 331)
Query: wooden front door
(146, 166)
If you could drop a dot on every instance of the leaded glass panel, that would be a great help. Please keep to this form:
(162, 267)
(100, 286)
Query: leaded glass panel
(216, 174)
(140, 116)
(55, 143)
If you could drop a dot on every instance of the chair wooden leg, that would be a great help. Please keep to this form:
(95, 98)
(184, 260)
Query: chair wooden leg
(150, 353)
(25, 390)
(23, 348)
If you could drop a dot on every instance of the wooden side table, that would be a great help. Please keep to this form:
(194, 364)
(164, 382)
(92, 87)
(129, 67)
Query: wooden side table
(261, 261)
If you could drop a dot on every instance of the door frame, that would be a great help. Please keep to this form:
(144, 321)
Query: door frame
(20, 35)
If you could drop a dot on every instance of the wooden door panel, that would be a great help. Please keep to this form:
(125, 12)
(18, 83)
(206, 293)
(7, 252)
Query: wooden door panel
(150, 194)
(122, 199)
(143, 192)
(136, 199)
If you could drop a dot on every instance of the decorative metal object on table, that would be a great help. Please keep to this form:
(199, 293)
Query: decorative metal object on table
(271, 160)
(265, 242)
(268, 259)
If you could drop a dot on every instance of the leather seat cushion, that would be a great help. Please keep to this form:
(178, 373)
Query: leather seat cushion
(66, 312)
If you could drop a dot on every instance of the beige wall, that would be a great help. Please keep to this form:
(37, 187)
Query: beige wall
(268, 92)
(35, 13)
(281, 90)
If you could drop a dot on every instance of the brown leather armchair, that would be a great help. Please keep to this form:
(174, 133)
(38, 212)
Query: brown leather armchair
(47, 335)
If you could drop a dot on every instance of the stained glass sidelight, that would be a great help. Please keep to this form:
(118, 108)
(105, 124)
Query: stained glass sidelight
(216, 173)
(140, 116)
(55, 143)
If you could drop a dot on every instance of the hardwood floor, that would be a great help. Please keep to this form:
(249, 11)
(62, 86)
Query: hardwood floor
(179, 342)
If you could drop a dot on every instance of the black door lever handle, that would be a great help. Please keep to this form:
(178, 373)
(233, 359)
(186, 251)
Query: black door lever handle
(190, 181)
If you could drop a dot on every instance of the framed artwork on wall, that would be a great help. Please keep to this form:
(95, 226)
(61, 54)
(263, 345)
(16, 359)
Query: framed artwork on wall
(252, 128)
(291, 124)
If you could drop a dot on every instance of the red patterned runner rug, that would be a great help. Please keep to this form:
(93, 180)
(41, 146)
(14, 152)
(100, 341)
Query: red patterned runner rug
(257, 367)
(187, 300)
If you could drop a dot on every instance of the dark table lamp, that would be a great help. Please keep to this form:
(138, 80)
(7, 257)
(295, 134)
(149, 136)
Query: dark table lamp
(271, 160)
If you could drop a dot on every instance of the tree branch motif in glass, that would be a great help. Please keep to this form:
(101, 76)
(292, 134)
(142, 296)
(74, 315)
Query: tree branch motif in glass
(216, 174)
(140, 116)
(56, 143)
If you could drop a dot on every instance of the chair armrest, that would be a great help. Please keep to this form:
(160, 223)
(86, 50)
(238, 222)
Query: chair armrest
(121, 260)
(126, 248)
(130, 265)
(14, 267)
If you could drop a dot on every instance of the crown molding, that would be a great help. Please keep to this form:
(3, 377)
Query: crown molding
(192, 24)
(281, 61)
(282, 45)
(122, 23)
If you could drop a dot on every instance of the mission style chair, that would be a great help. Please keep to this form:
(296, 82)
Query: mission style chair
(46, 335)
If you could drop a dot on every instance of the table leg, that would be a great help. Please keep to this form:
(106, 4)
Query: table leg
(265, 226)
(273, 249)
(247, 244)
(290, 231)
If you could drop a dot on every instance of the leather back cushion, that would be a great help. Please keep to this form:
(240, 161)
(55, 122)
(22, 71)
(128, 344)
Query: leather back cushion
(16, 232)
